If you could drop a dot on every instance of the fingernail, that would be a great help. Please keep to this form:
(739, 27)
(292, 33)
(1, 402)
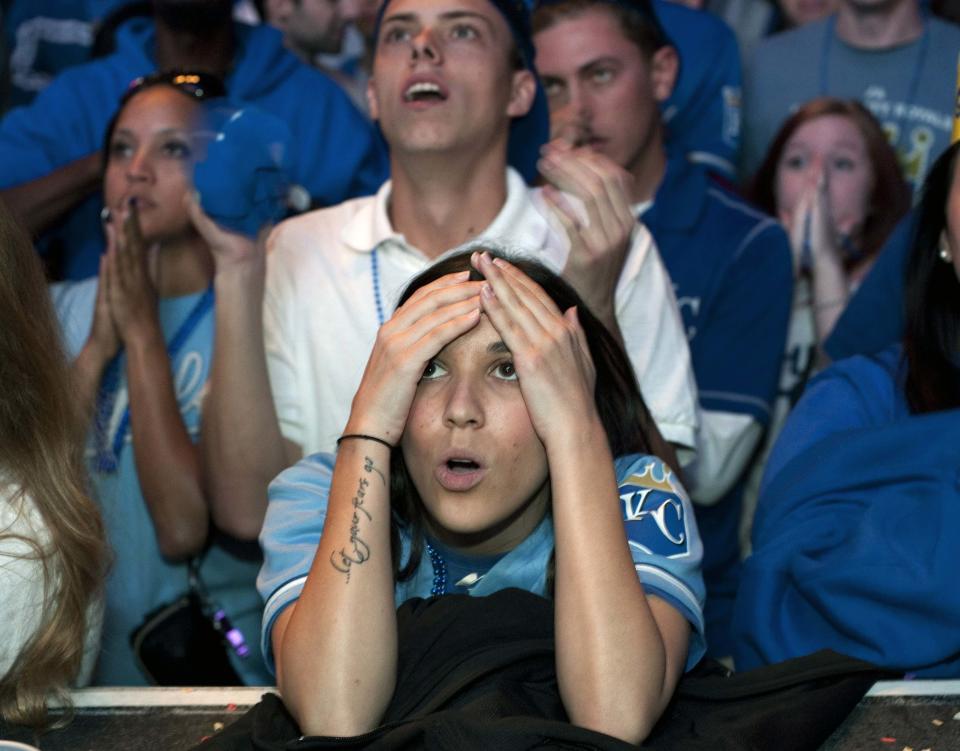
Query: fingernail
(499, 262)
(105, 215)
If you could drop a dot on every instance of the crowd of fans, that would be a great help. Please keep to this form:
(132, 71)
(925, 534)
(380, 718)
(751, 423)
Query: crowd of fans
(648, 308)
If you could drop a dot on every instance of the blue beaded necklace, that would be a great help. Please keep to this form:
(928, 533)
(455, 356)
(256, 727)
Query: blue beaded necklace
(375, 278)
(439, 571)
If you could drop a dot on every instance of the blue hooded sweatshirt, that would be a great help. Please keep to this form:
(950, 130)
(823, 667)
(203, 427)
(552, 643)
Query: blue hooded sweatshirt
(338, 155)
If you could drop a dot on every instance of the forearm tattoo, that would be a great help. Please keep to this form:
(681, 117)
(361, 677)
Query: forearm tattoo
(356, 552)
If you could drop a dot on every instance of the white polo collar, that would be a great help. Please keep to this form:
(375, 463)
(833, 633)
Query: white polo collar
(518, 224)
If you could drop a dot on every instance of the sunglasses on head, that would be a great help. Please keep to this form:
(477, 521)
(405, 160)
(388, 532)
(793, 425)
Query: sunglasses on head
(199, 86)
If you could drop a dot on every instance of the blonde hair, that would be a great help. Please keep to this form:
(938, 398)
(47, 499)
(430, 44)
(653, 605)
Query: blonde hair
(41, 447)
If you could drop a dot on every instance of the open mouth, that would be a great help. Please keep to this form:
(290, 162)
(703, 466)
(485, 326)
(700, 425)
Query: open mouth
(462, 465)
(424, 91)
(459, 473)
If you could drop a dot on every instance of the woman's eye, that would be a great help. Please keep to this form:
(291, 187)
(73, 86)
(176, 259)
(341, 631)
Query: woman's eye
(794, 162)
(844, 164)
(120, 149)
(433, 370)
(506, 371)
(177, 149)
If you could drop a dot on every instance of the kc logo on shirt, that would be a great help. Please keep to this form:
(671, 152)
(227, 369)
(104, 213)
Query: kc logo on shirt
(654, 516)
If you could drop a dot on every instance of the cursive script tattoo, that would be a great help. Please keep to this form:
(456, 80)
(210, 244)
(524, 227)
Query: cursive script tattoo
(368, 467)
(357, 551)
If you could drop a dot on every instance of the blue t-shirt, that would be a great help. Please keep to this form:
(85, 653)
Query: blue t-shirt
(337, 153)
(658, 520)
(730, 265)
(140, 579)
(909, 88)
(702, 114)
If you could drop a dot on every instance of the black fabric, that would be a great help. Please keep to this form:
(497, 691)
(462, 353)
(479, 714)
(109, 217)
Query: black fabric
(178, 645)
(479, 673)
(793, 705)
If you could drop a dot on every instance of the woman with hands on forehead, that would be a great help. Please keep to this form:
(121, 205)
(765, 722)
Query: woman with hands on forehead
(497, 425)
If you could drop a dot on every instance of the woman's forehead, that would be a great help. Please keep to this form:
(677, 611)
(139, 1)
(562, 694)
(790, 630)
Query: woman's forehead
(480, 341)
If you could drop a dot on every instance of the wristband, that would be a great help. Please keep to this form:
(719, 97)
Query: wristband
(364, 437)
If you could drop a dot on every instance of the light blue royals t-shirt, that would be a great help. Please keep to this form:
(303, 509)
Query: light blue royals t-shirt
(140, 579)
(658, 519)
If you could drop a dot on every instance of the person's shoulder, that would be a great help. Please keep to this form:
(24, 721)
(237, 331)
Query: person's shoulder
(684, 24)
(304, 234)
(20, 521)
(647, 471)
(868, 384)
(74, 304)
(944, 36)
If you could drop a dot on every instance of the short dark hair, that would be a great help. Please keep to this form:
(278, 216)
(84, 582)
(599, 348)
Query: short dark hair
(626, 420)
(932, 299)
(637, 19)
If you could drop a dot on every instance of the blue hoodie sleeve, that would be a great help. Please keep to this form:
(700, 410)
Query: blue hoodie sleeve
(854, 550)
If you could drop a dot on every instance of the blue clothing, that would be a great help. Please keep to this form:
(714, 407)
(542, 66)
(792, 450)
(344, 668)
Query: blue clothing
(44, 37)
(338, 155)
(873, 318)
(730, 265)
(140, 580)
(702, 115)
(856, 533)
(660, 529)
(908, 87)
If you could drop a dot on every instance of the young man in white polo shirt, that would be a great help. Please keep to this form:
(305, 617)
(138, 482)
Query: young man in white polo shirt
(453, 84)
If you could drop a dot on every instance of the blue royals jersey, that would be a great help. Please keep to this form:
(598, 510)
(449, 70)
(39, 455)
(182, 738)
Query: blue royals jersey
(658, 521)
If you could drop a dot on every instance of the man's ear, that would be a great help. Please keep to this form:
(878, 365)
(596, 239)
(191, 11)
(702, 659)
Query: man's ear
(523, 90)
(664, 67)
(372, 99)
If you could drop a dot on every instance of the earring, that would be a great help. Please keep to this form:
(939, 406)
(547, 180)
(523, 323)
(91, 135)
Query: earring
(944, 253)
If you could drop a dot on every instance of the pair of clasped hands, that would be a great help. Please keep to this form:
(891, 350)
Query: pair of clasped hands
(549, 348)
(818, 237)
(126, 302)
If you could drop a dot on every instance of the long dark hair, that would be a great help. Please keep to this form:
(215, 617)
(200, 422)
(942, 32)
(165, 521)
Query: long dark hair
(623, 413)
(932, 299)
(890, 198)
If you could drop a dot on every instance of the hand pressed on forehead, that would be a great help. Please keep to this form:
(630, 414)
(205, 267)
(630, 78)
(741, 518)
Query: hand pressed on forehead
(549, 348)
(434, 316)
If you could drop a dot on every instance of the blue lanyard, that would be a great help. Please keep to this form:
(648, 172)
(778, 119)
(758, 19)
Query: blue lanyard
(830, 34)
(108, 457)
